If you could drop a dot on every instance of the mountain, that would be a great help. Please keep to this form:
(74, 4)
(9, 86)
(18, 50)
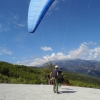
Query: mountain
(88, 67)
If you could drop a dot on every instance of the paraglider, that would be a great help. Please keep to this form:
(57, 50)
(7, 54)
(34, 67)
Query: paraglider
(36, 12)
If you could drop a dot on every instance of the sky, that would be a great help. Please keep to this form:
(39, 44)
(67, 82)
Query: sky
(69, 30)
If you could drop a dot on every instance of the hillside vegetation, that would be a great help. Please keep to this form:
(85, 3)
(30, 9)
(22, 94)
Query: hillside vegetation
(20, 74)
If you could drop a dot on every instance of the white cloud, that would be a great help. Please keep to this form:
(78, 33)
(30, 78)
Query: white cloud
(5, 51)
(94, 54)
(45, 59)
(46, 48)
(79, 53)
(82, 52)
(89, 43)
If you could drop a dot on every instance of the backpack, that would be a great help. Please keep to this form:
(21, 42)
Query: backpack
(60, 78)
(54, 73)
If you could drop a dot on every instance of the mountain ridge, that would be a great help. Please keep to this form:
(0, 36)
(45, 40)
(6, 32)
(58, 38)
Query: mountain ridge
(88, 67)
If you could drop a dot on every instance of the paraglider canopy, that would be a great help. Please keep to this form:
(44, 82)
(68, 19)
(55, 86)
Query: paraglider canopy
(36, 12)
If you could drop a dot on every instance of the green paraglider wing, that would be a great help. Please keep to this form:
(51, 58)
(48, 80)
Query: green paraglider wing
(36, 12)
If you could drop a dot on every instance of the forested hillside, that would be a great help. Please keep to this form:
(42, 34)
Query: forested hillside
(21, 74)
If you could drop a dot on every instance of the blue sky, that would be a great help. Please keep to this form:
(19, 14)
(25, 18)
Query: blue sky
(69, 30)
